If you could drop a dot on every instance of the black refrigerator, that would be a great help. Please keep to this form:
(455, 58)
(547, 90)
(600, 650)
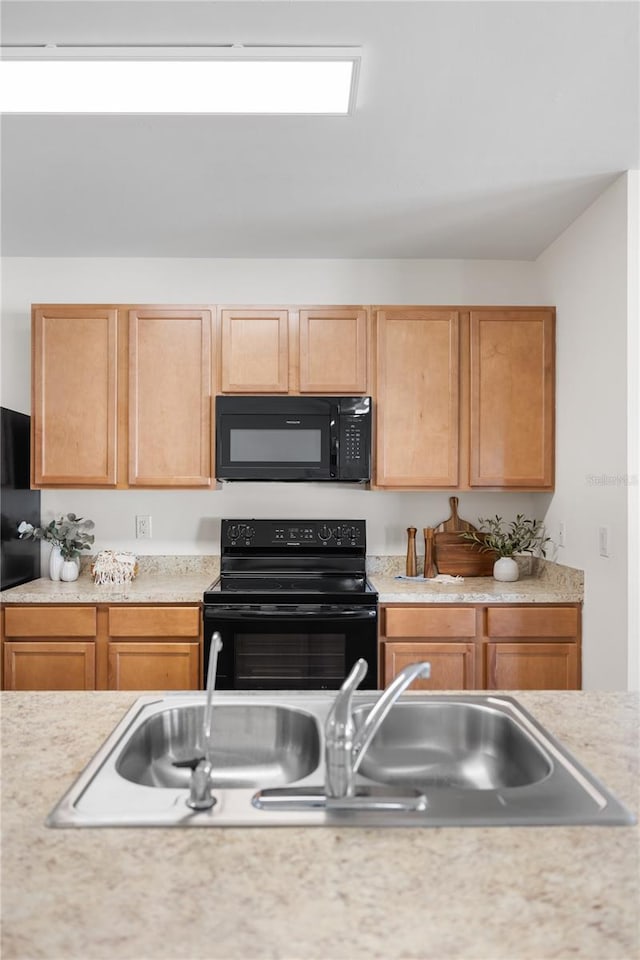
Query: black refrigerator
(20, 559)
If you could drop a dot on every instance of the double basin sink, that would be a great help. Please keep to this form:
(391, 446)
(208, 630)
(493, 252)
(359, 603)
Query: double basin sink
(437, 760)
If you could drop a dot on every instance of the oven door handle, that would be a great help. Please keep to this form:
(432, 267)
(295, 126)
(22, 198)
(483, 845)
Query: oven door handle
(226, 613)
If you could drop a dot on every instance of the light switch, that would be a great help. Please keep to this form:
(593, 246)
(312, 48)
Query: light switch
(604, 538)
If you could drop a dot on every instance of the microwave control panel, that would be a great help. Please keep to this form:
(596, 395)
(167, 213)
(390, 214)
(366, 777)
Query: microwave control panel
(355, 446)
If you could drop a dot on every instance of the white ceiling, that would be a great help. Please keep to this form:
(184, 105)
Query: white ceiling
(482, 130)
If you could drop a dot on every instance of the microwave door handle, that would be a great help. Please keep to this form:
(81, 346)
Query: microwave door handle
(334, 453)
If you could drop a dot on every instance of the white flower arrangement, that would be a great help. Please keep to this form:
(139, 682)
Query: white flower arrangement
(70, 533)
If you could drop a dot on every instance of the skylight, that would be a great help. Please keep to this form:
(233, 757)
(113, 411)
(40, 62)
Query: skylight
(231, 80)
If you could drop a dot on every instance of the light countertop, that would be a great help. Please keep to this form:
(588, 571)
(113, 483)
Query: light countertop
(183, 580)
(475, 590)
(318, 893)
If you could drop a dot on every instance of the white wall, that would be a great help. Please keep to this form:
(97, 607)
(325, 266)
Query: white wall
(584, 273)
(187, 522)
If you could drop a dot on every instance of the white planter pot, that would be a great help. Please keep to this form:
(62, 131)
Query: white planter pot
(506, 569)
(70, 570)
(55, 562)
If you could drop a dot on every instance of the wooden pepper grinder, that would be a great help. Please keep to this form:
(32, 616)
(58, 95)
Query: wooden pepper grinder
(412, 561)
(429, 565)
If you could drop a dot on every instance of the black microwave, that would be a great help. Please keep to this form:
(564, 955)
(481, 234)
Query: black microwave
(293, 438)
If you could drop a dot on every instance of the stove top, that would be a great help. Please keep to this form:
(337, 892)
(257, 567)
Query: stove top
(290, 589)
(292, 561)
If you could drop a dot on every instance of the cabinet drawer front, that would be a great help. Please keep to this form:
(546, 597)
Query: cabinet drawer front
(39, 621)
(532, 622)
(154, 621)
(430, 622)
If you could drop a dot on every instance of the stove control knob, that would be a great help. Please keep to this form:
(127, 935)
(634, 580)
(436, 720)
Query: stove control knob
(233, 533)
(325, 533)
(249, 533)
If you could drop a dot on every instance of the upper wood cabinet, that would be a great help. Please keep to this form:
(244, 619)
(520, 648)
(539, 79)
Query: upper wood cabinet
(312, 350)
(512, 398)
(417, 397)
(333, 351)
(122, 396)
(254, 351)
(170, 398)
(74, 395)
(465, 399)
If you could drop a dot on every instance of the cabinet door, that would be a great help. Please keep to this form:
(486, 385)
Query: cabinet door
(532, 666)
(153, 666)
(333, 351)
(49, 665)
(254, 351)
(452, 664)
(417, 384)
(74, 396)
(170, 398)
(512, 398)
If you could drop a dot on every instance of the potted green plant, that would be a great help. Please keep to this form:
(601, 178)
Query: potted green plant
(519, 536)
(68, 536)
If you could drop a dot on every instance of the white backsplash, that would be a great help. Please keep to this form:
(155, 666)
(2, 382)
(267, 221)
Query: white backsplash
(188, 522)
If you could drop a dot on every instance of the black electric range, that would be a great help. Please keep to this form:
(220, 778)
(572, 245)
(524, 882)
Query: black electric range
(292, 604)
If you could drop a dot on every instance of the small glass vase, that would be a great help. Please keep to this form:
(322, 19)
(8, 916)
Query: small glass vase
(506, 569)
(55, 562)
(70, 570)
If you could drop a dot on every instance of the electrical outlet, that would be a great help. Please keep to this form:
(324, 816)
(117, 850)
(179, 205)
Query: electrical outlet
(143, 528)
(604, 541)
(562, 534)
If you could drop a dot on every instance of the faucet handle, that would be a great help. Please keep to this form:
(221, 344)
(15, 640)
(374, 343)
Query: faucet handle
(339, 731)
(340, 713)
(357, 675)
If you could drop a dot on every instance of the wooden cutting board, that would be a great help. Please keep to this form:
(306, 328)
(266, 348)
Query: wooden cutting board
(458, 557)
(454, 522)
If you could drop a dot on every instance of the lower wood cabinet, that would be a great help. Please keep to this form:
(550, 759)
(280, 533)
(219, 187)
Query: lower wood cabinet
(452, 664)
(102, 647)
(153, 666)
(482, 647)
(49, 665)
(532, 666)
(148, 647)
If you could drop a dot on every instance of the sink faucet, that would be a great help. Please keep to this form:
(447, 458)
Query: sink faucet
(346, 746)
(200, 796)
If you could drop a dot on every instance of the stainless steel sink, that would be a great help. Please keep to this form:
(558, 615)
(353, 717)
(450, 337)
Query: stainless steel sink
(254, 745)
(437, 760)
(452, 744)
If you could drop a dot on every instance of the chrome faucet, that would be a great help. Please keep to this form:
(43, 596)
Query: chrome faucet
(200, 796)
(346, 746)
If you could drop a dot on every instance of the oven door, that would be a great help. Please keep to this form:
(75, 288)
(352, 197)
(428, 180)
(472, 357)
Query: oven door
(291, 647)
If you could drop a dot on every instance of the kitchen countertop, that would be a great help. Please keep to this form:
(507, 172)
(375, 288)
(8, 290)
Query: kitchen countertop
(474, 590)
(325, 893)
(168, 580)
